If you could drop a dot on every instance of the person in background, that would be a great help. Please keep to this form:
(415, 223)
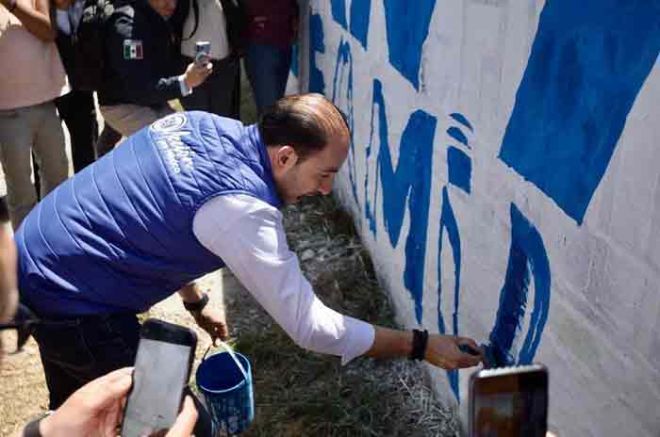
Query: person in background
(95, 409)
(271, 28)
(218, 22)
(142, 68)
(77, 107)
(32, 77)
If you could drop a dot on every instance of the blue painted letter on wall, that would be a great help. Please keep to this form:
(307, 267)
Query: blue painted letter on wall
(527, 257)
(409, 184)
(588, 62)
(407, 29)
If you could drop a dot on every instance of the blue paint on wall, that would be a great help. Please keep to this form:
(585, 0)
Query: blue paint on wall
(409, 184)
(527, 257)
(458, 135)
(588, 62)
(461, 119)
(460, 168)
(407, 29)
(448, 223)
(360, 13)
(338, 8)
(316, 45)
(342, 90)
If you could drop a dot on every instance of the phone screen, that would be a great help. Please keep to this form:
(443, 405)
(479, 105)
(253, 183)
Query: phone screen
(513, 404)
(161, 373)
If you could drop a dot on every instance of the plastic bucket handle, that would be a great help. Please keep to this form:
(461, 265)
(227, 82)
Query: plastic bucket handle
(231, 354)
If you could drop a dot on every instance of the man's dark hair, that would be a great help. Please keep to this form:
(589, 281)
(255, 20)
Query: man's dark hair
(306, 122)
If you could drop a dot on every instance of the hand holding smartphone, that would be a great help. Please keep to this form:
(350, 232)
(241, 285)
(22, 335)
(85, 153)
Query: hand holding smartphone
(510, 401)
(202, 53)
(162, 369)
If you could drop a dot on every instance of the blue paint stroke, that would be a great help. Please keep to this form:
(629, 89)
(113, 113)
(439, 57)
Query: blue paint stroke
(338, 8)
(589, 61)
(407, 29)
(316, 45)
(458, 135)
(342, 86)
(360, 14)
(527, 253)
(409, 184)
(460, 168)
(461, 119)
(448, 223)
(295, 68)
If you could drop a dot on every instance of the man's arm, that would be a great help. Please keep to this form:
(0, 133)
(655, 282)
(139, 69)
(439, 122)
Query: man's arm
(248, 235)
(35, 19)
(441, 350)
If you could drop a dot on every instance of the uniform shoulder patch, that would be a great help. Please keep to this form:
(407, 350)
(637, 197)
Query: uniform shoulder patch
(133, 49)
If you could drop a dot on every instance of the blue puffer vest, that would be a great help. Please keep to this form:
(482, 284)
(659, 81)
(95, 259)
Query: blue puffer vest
(118, 235)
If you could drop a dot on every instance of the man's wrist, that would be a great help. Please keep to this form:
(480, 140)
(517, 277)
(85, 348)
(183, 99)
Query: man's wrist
(420, 341)
(198, 306)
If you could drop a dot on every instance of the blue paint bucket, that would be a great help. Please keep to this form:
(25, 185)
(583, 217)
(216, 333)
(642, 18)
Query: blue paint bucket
(225, 381)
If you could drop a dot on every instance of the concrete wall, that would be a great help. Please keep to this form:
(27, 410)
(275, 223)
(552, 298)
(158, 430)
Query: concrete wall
(505, 176)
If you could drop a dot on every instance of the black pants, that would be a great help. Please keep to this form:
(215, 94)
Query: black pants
(77, 110)
(77, 351)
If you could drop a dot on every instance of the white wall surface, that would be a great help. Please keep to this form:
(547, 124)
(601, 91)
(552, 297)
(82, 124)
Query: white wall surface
(559, 124)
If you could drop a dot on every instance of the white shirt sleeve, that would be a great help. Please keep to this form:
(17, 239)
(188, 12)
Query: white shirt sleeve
(248, 235)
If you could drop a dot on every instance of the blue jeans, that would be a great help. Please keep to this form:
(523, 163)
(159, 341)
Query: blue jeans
(267, 69)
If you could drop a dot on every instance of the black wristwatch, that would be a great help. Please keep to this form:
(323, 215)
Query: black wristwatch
(420, 340)
(195, 307)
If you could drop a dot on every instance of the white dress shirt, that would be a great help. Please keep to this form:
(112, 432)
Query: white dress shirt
(248, 235)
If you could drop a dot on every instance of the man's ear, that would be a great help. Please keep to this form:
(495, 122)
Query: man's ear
(286, 157)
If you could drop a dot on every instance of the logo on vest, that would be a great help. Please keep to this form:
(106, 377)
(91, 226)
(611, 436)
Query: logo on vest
(169, 123)
(167, 134)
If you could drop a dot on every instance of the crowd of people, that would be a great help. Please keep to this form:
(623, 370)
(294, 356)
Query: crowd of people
(194, 192)
(146, 51)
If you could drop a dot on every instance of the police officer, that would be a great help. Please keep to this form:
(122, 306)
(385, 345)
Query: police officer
(142, 69)
(190, 194)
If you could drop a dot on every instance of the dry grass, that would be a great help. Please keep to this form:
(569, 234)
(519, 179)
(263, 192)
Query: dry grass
(302, 393)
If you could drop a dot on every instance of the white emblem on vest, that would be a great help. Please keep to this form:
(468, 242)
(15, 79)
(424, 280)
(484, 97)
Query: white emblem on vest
(167, 135)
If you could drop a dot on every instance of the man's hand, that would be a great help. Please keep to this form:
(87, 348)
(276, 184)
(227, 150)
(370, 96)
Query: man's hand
(443, 351)
(195, 75)
(212, 321)
(94, 410)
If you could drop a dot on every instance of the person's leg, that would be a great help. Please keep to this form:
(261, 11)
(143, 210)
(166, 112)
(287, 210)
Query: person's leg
(128, 119)
(16, 133)
(50, 149)
(77, 110)
(282, 70)
(223, 87)
(265, 65)
(77, 351)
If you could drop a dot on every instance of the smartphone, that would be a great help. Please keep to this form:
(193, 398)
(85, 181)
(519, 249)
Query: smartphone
(162, 369)
(510, 401)
(202, 53)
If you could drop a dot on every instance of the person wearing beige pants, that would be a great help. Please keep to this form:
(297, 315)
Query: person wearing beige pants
(23, 130)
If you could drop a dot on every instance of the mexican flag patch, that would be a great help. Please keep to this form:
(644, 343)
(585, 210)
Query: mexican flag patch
(132, 49)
